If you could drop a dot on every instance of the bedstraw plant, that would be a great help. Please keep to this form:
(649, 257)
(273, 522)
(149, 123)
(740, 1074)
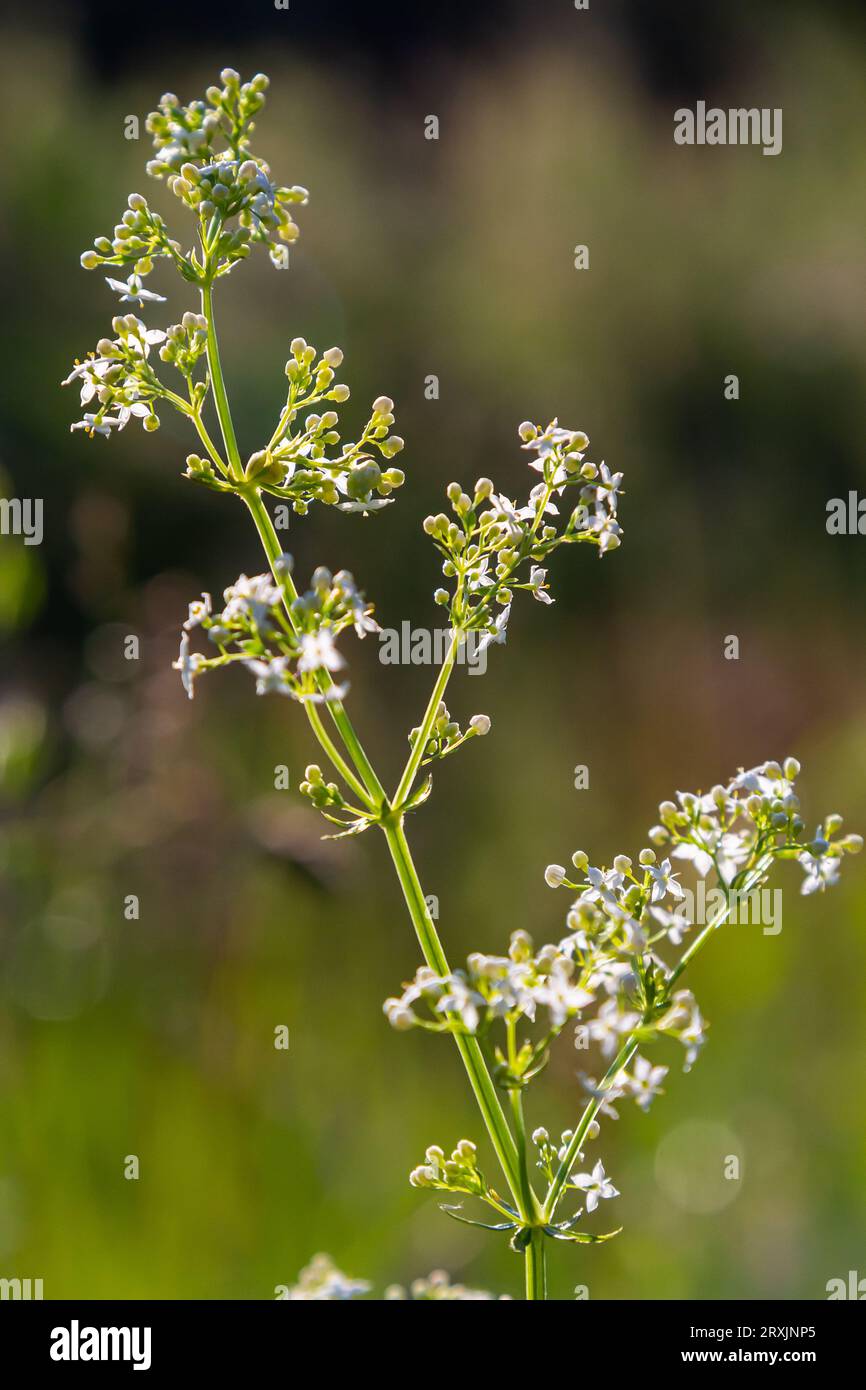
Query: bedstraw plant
(610, 975)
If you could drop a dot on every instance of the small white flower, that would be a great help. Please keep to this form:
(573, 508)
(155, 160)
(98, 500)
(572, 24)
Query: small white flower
(132, 290)
(103, 427)
(610, 1024)
(663, 882)
(318, 651)
(199, 609)
(595, 1185)
(188, 664)
(822, 871)
(463, 1001)
(269, 676)
(499, 634)
(645, 1081)
(674, 923)
(554, 875)
(537, 584)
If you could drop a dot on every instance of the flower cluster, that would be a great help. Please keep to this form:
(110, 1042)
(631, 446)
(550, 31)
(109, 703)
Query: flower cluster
(446, 736)
(321, 1279)
(286, 648)
(202, 151)
(619, 922)
(758, 812)
(520, 987)
(490, 540)
(296, 463)
(459, 1173)
(139, 238)
(119, 378)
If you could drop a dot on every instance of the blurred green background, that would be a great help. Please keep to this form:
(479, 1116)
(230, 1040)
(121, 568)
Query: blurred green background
(455, 258)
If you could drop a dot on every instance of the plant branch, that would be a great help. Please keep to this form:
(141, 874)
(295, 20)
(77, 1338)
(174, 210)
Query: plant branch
(631, 1044)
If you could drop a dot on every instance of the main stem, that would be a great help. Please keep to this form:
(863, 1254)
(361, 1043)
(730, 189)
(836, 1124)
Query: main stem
(468, 1047)
(536, 1265)
(376, 797)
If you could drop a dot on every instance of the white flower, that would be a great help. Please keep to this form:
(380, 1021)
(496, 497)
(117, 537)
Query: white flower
(188, 664)
(822, 871)
(554, 875)
(537, 584)
(606, 1095)
(132, 291)
(595, 1185)
(318, 651)
(560, 995)
(664, 882)
(375, 504)
(608, 486)
(694, 854)
(316, 697)
(693, 1036)
(103, 427)
(323, 1280)
(499, 634)
(463, 1001)
(269, 676)
(199, 609)
(674, 923)
(250, 597)
(509, 515)
(645, 1081)
(610, 1024)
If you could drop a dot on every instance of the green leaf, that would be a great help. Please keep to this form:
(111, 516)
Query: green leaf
(580, 1237)
(454, 1213)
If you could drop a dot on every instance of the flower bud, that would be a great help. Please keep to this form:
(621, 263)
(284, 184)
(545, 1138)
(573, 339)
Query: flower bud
(647, 857)
(554, 875)
(622, 864)
(791, 768)
(580, 860)
(383, 405)
(480, 724)
(89, 260)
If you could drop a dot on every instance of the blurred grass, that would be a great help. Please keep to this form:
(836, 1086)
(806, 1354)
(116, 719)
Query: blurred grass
(155, 1037)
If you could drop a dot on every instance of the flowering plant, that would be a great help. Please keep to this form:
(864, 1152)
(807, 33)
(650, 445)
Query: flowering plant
(607, 974)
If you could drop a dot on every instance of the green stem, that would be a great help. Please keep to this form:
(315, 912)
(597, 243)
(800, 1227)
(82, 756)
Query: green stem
(374, 796)
(468, 1047)
(536, 1265)
(427, 722)
(373, 793)
(219, 386)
